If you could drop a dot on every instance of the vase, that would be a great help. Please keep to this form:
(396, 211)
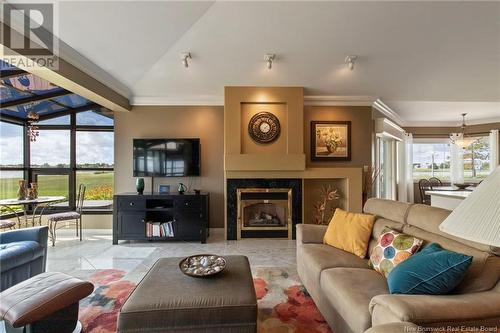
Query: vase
(331, 148)
(30, 194)
(21, 192)
(139, 185)
(34, 188)
(182, 188)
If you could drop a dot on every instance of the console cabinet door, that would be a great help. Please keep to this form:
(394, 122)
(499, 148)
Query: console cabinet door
(132, 224)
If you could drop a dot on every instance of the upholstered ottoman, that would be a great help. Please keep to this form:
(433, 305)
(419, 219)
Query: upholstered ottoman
(166, 300)
(45, 303)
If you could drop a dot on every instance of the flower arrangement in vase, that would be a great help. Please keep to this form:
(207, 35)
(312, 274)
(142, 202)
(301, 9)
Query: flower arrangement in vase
(329, 137)
(323, 208)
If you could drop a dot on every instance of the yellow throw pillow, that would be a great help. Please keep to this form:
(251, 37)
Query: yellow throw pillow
(350, 232)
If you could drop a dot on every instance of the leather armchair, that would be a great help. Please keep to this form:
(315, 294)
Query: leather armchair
(23, 254)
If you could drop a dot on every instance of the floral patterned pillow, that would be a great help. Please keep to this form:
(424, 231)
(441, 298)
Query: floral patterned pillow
(392, 248)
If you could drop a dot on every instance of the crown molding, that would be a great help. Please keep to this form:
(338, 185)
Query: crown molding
(452, 123)
(325, 100)
(213, 100)
(202, 100)
(388, 112)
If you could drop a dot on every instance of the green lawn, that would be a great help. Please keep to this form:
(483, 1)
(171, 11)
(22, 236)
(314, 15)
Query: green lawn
(55, 185)
(444, 174)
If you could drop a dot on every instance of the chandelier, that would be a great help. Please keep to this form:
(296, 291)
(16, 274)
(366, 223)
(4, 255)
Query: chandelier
(463, 140)
(31, 121)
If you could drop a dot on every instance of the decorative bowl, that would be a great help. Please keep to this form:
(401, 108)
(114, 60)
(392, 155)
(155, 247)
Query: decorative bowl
(202, 265)
(461, 186)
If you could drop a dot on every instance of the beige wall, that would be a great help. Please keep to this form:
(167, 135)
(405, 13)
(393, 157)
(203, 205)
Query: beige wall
(284, 154)
(361, 133)
(206, 123)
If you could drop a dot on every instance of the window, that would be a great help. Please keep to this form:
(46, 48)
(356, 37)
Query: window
(94, 149)
(94, 118)
(477, 159)
(11, 145)
(53, 184)
(64, 120)
(431, 159)
(99, 188)
(65, 154)
(51, 149)
(9, 183)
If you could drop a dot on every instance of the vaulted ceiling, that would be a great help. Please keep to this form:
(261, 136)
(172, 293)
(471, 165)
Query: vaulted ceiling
(427, 60)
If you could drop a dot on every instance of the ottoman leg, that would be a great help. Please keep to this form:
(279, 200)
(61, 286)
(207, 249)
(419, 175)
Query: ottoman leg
(62, 321)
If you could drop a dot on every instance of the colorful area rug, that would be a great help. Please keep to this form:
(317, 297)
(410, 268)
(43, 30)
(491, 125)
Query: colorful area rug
(284, 304)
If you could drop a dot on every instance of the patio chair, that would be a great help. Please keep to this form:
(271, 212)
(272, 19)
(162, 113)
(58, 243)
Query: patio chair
(76, 215)
(423, 186)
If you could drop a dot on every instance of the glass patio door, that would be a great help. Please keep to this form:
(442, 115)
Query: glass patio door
(386, 160)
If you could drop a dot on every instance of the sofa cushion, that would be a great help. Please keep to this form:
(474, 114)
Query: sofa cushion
(387, 209)
(350, 291)
(429, 218)
(316, 257)
(484, 272)
(18, 253)
(350, 232)
(393, 248)
(432, 271)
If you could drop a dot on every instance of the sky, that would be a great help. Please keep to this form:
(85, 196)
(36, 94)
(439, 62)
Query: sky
(422, 153)
(53, 146)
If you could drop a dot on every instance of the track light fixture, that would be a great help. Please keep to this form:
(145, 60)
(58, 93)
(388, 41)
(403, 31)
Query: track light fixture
(350, 60)
(185, 56)
(269, 58)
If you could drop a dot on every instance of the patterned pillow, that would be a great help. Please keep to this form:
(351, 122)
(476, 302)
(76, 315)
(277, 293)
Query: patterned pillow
(392, 248)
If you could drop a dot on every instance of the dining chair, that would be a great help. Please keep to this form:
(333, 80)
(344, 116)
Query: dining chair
(435, 182)
(54, 219)
(423, 186)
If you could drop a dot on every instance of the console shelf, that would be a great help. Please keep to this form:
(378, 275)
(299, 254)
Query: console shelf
(188, 213)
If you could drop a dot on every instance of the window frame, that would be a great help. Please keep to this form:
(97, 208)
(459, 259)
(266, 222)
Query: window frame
(30, 172)
(429, 141)
(446, 140)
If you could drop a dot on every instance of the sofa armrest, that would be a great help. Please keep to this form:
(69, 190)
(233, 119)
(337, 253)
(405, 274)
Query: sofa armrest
(422, 309)
(310, 233)
(37, 234)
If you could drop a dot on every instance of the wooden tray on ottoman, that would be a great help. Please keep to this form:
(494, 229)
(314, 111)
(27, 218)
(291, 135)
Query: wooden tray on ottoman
(167, 300)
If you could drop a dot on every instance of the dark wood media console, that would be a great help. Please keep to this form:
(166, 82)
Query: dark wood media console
(187, 213)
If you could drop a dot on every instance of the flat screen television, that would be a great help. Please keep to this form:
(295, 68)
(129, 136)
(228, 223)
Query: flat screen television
(166, 157)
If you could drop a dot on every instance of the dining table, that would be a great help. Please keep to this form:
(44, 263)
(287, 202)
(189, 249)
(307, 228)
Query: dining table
(38, 204)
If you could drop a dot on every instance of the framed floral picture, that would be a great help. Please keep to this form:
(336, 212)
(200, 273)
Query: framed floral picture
(330, 140)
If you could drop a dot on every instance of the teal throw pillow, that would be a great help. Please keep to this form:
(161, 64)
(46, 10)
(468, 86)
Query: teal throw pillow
(432, 271)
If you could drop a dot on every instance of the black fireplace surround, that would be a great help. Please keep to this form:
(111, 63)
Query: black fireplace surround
(232, 198)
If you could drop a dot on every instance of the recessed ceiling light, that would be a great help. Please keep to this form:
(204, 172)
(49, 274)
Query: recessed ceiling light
(185, 56)
(269, 58)
(350, 60)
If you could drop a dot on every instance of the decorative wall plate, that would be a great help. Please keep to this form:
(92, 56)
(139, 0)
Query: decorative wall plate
(264, 127)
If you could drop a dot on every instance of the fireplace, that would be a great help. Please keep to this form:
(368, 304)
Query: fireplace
(264, 209)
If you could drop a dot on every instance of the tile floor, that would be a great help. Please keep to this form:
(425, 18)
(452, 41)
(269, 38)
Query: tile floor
(135, 258)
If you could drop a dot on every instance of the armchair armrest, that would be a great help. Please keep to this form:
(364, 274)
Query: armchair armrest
(423, 309)
(37, 234)
(310, 233)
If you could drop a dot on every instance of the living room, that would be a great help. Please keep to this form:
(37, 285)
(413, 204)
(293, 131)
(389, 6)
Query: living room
(250, 166)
